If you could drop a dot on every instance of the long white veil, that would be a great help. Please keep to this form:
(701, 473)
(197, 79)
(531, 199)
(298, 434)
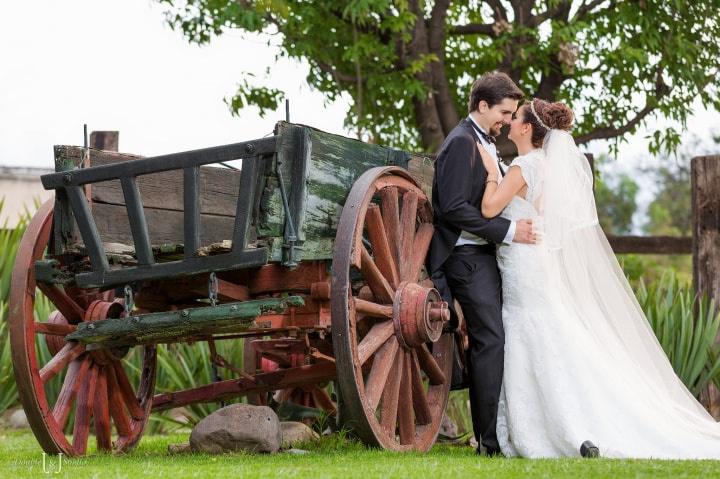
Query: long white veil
(585, 276)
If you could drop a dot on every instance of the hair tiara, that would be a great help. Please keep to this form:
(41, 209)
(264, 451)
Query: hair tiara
(532, 108)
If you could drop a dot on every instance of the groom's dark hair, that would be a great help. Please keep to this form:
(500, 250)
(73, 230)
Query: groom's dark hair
(493, 87)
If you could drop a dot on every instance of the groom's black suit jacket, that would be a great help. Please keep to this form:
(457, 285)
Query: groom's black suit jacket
(458, 187)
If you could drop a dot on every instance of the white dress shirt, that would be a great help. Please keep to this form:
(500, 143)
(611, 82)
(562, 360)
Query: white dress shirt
(469, 238)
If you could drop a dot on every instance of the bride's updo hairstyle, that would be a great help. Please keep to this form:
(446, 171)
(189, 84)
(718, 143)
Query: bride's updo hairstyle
(544, 116)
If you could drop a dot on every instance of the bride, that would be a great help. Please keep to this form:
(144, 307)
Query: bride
(581, 361)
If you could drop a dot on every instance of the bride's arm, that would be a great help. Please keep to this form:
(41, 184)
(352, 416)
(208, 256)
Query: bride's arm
(497, 197)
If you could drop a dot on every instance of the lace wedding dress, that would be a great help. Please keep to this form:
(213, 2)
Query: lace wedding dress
(581, 361)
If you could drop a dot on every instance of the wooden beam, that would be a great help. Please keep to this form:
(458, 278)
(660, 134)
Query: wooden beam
(650, 244)
(172, 326)
(273, 381)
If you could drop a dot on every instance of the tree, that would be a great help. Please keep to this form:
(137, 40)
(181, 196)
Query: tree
(408, 64)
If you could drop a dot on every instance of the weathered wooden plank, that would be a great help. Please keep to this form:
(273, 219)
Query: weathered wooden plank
(706, 248)
(218, 190)
(164, 226)
(175, 325)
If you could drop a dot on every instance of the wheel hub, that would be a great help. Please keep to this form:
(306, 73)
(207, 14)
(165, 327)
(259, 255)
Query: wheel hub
(98, 310)
(419, 314)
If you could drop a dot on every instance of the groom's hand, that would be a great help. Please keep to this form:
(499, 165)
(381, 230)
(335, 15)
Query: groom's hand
(524, 232)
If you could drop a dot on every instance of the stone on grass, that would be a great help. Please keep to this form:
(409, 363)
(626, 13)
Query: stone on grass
(18, 419)
(179, 448)
(294, 433)
(448, 430)
(238, 427)
(297, 452)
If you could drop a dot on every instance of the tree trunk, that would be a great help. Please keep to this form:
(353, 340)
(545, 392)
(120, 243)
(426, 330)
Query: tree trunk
(427, 116)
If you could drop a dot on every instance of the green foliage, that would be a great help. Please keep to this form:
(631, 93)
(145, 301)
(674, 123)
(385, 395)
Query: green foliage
(410, 64)
(688, 338)
(616, 204)
(8, 391)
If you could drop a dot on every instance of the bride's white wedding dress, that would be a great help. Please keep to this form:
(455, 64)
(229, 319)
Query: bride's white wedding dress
(581, 361)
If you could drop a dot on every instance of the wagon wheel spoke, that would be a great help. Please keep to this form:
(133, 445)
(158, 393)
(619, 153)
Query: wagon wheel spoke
(127, 392)
(64, 303)
(84, 410)
(408, 218)
(382, 364)
(391, 395)
(378, 334)
(378, 284)
(101, 413)
(120, 417)
(420, 248)
(51, 329)
(406, 416)
(382, 254)
(391, 218)
(74, 379)
(369, 308)
(430, 366)
(423, 415)
(60, 361)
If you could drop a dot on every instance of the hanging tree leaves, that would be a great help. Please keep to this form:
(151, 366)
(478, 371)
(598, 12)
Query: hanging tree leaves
(408, 64)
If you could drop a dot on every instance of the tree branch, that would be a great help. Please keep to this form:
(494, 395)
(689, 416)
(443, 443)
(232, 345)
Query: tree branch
(555, 12)
(473, 29)
(661, 90)
(499, 12)
(338, 76)
(586, 8)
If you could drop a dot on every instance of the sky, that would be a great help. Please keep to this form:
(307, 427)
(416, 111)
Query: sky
(116, 65)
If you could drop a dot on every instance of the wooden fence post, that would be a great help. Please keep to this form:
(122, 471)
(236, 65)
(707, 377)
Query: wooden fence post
(706, 244)
(104, 140)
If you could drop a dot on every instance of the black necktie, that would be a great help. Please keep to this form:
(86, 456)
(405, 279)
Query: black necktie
(489, 139)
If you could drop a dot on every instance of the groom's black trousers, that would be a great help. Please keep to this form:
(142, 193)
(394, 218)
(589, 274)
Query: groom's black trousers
(474, 280)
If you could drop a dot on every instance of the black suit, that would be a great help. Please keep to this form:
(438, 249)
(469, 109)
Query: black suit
(470, 273)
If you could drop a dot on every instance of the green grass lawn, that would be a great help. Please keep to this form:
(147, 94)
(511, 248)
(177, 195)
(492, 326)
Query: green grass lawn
(20, 456)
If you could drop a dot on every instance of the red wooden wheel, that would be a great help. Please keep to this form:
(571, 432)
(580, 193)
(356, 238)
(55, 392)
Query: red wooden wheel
(393, 359)
(96, 392)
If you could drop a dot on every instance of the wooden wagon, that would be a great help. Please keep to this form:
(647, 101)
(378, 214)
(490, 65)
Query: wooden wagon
(312, 253)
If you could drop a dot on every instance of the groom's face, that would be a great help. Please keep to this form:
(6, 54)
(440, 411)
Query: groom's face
(498, 115)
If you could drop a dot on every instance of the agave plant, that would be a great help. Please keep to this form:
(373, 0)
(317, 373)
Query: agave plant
(8, 391)
(686, 326)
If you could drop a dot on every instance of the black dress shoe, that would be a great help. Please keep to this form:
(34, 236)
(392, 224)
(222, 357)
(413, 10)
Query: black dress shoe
(588, 449)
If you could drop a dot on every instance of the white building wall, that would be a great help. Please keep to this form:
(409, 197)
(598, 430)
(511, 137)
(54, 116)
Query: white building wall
(20, 189)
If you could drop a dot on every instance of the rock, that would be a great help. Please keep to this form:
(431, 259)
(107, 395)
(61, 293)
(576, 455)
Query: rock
(238, 427)
(448, 430)
(298, 452)
(448, 426)
(178, 448)
(18, 420)
(473, 442)
(294, 433)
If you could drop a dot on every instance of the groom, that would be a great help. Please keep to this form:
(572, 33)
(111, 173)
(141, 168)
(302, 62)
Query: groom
(462, 253)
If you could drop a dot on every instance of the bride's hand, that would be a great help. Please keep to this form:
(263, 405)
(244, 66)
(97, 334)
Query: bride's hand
(487, 158)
